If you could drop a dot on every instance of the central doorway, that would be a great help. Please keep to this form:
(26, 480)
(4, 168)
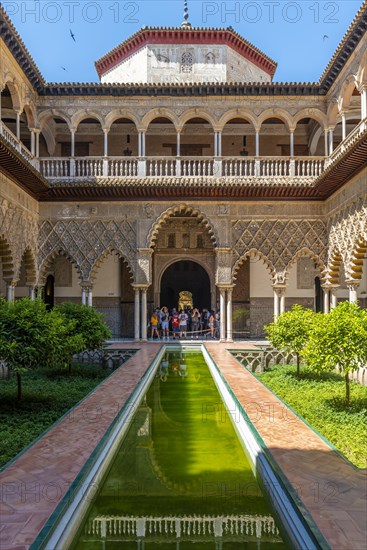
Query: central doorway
(185, 275)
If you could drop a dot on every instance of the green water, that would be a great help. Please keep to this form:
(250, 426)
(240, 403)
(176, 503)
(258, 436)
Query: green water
(180, 463)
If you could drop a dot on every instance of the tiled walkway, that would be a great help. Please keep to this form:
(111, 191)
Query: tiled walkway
(330, 488)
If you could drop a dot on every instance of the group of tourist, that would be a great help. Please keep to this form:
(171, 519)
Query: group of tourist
(186, 323)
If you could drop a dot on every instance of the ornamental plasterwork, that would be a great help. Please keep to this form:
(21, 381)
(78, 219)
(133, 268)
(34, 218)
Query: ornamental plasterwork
(346, 229)
(279, 241)
(20, 230)
(85, 242)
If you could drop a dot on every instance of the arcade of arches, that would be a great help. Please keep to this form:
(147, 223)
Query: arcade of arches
(127, 258)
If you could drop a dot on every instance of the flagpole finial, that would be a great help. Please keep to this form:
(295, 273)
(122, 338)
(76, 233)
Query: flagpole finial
(186, 23)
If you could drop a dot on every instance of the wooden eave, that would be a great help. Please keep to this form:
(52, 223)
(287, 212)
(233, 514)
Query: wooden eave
(22, 173)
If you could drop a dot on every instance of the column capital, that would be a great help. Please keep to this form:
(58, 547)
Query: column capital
(353, 284)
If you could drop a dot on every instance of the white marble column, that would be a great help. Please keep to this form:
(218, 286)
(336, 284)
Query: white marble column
(326, 139)
(33, 150)
(105, 142)
(84, 296)
(143, 152)
(353, 289)
(282, 300)
(10, 291)
(344, 126)
(257, 144)
(364, 102)
(215, 144)
(276, 303)
(90, 296)
(222, 306)
(292, 144)
(144, 319)
(331, 141)
(137, 313)
(326, 295)
(31, 293)
(333, 298)
(229, 315)
(178, 144)
(37, 132)
(219, 137)
(72, 147)
(18, 125)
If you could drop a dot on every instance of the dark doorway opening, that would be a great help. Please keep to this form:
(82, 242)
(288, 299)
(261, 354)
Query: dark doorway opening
(49, 292)
(185, 275)
(318, 296)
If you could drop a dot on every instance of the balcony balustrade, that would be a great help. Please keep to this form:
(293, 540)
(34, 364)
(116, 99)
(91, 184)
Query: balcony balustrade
(237, 167)
(262, 168)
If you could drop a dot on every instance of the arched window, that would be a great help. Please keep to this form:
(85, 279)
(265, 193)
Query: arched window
(171, 240)
(186, 62)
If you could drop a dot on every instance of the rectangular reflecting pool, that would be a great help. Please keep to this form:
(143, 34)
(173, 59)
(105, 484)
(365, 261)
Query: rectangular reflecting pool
(180, 478)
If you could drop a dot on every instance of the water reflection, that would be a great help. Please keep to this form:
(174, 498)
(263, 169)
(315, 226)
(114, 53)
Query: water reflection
(180, 477)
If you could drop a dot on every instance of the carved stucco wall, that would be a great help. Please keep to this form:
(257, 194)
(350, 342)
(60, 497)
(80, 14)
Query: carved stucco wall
(280, 242)
(18, 222)
(85, 242)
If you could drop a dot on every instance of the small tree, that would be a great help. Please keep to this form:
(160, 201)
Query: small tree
(29, 336)
(88, 323)
(290, 332)
(339, 339)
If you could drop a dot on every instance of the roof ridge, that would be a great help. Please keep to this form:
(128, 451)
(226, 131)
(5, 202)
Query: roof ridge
(7, 21)
(186, 31)
(342, 43)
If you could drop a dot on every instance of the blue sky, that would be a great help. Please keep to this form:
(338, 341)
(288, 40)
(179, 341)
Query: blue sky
(300, 35)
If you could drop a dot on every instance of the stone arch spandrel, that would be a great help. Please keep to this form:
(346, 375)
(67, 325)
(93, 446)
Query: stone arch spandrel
(254, 253)
(244, 114)
(314, 114)
(20, 229)
(278, 241)
(160, 112)
(304, 251)
(15, 94)
(116, 114)
(109, 252)
(86, 241)
(47, 116)
(47, 264)
(279, 113)
(184, 209)
(197, 113)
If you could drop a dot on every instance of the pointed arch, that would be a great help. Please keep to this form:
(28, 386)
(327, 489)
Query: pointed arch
(182, 209)
(47, 262)
(110, 251)
(304, 251)
(253, 252)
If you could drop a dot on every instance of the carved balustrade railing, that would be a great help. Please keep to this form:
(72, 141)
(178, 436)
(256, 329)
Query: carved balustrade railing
(226, 167)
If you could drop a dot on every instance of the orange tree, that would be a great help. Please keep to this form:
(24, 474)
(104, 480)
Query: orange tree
(338, 339)
(290, 332)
